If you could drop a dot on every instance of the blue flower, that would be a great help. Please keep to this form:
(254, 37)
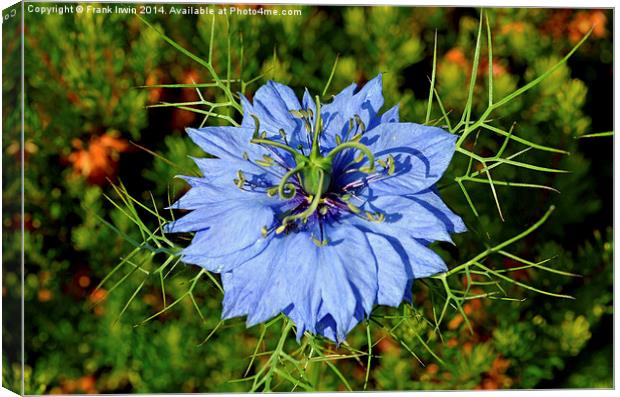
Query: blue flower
(318, 211)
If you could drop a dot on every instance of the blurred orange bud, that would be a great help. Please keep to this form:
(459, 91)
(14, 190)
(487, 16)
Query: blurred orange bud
(44, 295)
(455, 322)
(100, 159)
(98, 295)
(586, 20)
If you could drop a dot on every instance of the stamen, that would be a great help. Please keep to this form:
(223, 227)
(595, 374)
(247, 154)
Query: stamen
(353, 208)
(375, 216)
(300, 114)
(351, 128)
(320, 243)
(360, 123)
(272, 191)
(391, 164)
(240, 180)
(283, 135)
(356, 137)
(256, 125)
(267, 161)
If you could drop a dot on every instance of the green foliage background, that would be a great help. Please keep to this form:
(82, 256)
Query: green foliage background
(83, 81)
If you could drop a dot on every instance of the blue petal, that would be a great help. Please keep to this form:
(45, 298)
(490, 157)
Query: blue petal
(421, 156)
(337, 279)
(232, 226)
(365, 103)
(424, 261)
(391, 115)
(223, 173)
(233, 144)
(347, 275)
(346, 105)
(408, 215)
(203, 193)
(393, 271)
(274, 101)
(228, 143)
(308, 102)
(292, 281)
(197, 254)
(273, 281)
(247, 121)
(272, 105)
(245, 285)
(430, 200)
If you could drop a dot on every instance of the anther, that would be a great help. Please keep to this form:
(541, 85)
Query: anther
(240, 180)
(353, 208)
(300, 114)
(391, 164)
(283, 135)
(360, 123)
(356, 137)
(320, 243)
(267, 161)
(256, 125)
(272, 191)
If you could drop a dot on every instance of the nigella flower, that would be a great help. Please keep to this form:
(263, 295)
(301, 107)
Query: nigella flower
(318, 211)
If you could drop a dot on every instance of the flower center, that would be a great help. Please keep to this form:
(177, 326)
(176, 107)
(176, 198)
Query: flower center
(313, 172)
